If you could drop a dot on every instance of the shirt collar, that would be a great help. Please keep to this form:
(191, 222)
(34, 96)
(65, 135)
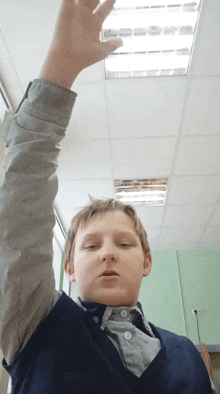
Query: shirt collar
(102, 313)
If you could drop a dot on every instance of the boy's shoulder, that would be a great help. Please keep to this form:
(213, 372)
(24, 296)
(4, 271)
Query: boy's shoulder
(165, 335)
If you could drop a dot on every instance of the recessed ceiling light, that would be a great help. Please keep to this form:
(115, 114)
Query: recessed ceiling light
(144, 191)
(158, 37)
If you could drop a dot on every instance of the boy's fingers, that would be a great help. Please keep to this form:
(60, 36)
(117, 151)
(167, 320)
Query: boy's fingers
(91, 4)
(103, 11)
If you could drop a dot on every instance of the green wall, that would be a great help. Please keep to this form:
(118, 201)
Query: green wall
(179, 282)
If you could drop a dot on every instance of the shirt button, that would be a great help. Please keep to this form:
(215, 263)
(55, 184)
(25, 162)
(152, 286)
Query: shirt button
(124, 313)
(127, 335)
(96, 319)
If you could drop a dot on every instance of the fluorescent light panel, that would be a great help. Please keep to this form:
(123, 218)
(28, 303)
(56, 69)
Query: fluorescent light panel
(158, 37)
(144, 191)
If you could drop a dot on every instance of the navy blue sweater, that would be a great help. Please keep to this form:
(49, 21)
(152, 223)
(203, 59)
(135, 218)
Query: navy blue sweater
(49, 342)
(70, 354)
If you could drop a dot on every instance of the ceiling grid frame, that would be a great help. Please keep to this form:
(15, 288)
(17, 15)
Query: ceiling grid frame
(15, 84)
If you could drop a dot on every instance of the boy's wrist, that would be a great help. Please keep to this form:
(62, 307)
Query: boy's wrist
(59, 70)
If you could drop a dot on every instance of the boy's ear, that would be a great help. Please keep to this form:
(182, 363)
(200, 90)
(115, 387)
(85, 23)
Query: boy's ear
(147, 264)
(69, 269)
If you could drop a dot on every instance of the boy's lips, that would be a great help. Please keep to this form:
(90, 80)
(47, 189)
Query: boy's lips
(109, 273)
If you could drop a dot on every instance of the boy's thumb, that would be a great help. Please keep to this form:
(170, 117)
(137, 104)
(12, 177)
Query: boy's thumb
(112, 46)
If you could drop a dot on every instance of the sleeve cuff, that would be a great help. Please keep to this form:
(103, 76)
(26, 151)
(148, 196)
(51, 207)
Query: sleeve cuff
(48, 101)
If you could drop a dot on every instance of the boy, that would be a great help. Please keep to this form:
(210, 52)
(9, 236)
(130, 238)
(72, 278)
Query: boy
(103, 343)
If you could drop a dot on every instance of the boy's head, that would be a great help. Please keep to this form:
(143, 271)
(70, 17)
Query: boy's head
(88, 256)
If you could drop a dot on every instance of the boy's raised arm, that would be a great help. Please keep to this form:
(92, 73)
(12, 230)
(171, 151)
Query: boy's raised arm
(29, 186)
(27, 192)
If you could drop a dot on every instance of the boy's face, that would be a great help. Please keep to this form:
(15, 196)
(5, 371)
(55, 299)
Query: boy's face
(109, 253)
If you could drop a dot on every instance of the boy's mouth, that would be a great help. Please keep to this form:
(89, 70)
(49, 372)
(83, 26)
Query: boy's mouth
(109, 273)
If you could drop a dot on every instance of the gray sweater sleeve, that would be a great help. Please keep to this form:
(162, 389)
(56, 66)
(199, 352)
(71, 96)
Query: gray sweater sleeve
(27, 191)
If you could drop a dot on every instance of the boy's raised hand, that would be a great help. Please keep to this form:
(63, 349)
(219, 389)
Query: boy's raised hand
(77, 33)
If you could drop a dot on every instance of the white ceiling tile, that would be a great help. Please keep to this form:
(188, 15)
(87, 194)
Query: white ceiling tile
(152, 235)
(87, 159)
(9, 77)
(193, 190)
(211, 235)
(28, 32)
(153, 247)
(89, 116)
(215, 218)
(91, 74)
(198, 156)
(130, 109)
(35, 4)
(142, 158)
(187, 215)
(207, 61)
(176, 246)
(202, 115)
(36, 57)
(39, 21)
(72, 195)
(150, 216)
(209, 246)
(181, 235)
(152, 107)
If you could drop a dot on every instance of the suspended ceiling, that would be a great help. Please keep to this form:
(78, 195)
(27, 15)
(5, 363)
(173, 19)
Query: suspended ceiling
(155, 127)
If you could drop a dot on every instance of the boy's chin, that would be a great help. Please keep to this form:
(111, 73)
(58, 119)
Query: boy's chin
(110, 297)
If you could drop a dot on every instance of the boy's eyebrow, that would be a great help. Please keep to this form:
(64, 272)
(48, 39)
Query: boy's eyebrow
(117, 233)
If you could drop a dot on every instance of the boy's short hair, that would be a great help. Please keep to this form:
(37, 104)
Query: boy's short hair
(100, 206)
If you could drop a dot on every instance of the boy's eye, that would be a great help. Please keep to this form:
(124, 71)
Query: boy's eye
(91, 246)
